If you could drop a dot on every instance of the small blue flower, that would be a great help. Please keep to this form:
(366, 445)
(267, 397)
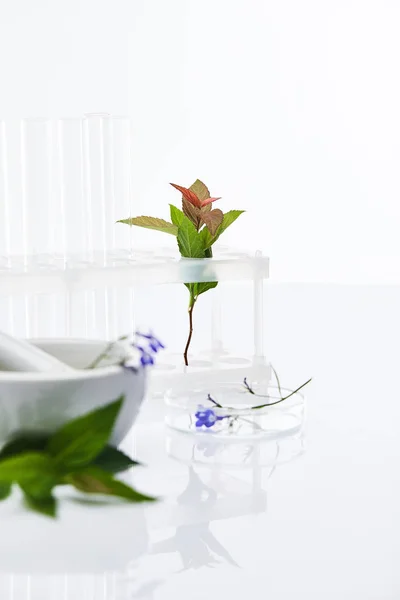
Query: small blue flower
(145, 357)
(154, 344)
(206, 417)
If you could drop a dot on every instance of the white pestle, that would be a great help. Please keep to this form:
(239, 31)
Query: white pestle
(19, 355)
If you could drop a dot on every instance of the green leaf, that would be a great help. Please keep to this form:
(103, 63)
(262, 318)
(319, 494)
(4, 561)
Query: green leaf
(207, 238)
(78, 442)
(46, 505)
(113, 460)
(40, 486)
(176, 215)
(189, 240)
(229, 218)
(93, 480)
(28, 467)
(152, 223)
(196, 289)
(5, 490)
(200, 189)
(23, 442)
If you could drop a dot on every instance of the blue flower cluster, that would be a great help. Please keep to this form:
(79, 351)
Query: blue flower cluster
(148, 347)
(206, 417)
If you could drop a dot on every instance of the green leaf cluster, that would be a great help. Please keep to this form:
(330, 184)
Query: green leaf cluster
(77, 454)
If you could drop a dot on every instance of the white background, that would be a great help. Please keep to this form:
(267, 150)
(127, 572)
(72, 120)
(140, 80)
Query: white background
(286, 108)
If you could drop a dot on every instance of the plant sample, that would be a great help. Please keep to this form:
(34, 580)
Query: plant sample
(197, 227)
(207, 416)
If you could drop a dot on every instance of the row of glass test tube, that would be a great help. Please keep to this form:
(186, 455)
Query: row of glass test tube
(63, 185)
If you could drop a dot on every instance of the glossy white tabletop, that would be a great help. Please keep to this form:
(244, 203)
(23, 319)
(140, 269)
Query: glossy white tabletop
(308, 519)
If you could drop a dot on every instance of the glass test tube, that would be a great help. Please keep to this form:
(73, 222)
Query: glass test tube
(74, 208)
(107, 150)
(121, 160)
(5, 223)
(36, 162)
(97, 180)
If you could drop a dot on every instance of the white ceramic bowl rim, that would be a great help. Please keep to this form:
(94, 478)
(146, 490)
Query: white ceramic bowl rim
(74, 375)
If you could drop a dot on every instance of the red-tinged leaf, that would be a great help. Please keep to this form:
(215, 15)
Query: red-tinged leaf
(188, 195)
(213, 220)
(209, 201)
(200, 189)
(207, 239)
(192, 212)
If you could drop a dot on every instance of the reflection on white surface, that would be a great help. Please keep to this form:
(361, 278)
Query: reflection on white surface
(195, 543)
(133, 539)
(332, 527)
(236, 454)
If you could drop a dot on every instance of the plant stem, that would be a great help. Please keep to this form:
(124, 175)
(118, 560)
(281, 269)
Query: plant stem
(282, 399)
(190, 311)
(105, 353)
(277, 381)
(101, 356)
(210, 399)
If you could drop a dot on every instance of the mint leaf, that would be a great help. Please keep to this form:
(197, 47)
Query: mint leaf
(229, 218)
(206, 238)
(93, 480)
(23, 442)
(213, 220)
(36, 475)
(46, 505)
(196, 289)
(40, 486)
(176, 215)
(28, 467)
(113, 460)
(78, 442)
(5, 490)
(200, 189)
(189, 240)
(152, 223)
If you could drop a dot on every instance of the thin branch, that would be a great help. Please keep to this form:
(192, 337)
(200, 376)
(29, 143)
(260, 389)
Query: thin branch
(106, 352)
(282, 399)
(214, 401)
(248, 387)
(101, 356)
(277, 381)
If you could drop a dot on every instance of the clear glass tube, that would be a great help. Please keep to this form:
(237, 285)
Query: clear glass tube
(108, 186)
(12, 228)
(121, 168)
(96, 127)
(36, 163)
(63, 185)
(74, 207)
(4, 198)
